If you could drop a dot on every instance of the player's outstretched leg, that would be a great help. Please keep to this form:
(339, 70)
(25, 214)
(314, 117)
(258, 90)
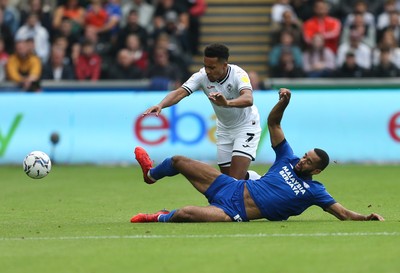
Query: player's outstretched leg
(145, 163)
(148, 218)
(150, 174)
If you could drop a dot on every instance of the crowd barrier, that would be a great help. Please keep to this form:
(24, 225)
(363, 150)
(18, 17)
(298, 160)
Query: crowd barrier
(104, 127)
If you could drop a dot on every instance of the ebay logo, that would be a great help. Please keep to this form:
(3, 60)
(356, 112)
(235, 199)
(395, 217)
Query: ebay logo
(186, 128)
(394, 126)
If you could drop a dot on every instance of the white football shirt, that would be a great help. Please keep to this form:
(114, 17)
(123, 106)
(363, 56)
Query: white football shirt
(230, 86)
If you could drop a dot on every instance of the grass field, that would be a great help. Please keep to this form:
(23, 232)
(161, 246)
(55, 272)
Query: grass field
(77, 220)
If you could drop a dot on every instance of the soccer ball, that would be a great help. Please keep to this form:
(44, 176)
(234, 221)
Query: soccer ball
(37, 164)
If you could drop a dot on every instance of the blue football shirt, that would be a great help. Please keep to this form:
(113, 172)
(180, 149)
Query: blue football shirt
(280, 193)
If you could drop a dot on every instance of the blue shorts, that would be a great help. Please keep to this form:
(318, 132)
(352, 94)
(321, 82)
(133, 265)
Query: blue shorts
(226, 193)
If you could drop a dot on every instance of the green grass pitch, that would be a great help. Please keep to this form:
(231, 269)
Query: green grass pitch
(77, 220)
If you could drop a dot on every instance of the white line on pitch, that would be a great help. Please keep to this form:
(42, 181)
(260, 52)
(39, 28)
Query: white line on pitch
(258, 235)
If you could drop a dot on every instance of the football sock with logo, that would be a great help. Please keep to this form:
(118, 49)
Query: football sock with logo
(166, 217)
(163, 170)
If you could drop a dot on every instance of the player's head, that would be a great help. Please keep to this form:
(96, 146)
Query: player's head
(219, 51)
(313, 162)
(216, 61)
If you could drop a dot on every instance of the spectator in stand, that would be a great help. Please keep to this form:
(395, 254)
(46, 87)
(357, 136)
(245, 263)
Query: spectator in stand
(56, 68)
(368, 32)
(180, 39)
(347, 7)
(123, 69)
(176, 55)
(197, 9)
(137, 55)
(43, 11)
(132, 27)
(72, 10)
(385, 67)
(103, 48)
(73, 46)
(24, 68)
(96, 15)
(361, 51)
(172, 17)
(144, 11)
(322, 23)
(288, 24)
(163, 74)
(388, 41)
(6, 34)
(62, 42)
(114, 12)
(383, 18)
(11, 16)
(303, 9)
(33, 28)
(318, 60)
(285, 45)
(394, 26)
(3, 60)
(287, 67)
(88, 65)
(278, 8)
(350, 68)
(360, 7)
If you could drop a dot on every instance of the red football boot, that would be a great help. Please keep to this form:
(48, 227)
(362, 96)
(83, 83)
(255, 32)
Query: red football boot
(147, 218)
(145, 163)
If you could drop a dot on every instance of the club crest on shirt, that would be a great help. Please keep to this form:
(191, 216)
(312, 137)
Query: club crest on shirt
(229, 87)
(245, 79)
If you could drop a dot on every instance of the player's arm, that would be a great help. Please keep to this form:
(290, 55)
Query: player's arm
(275, 117)
(244, 100)
(172, 98)
(343, 214)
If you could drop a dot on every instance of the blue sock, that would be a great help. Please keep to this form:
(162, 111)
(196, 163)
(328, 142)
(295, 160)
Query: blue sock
(163, 170)
(166, 217)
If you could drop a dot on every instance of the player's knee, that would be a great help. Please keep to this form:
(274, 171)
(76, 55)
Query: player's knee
(177, 159)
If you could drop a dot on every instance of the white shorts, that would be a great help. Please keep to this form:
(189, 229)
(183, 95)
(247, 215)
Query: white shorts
(238, 142)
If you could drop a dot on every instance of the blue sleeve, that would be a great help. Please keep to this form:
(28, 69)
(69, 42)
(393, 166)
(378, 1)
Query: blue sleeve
(283, 150)
(323, 199)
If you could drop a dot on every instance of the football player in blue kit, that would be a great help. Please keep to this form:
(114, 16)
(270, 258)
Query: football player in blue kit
(287, 189)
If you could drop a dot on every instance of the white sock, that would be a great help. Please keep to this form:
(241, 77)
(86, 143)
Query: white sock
(253, 175)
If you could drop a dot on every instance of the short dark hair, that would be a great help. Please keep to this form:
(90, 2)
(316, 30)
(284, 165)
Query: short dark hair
(219, 51)
(324, 162)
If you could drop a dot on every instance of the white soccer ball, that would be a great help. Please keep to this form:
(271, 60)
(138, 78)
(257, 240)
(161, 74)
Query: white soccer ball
(37, 164)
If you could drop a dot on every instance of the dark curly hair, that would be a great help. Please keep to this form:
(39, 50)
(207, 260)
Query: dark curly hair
(324, 162)
(219, 51)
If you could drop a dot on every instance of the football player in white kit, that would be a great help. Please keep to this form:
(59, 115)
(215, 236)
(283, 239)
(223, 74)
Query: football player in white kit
(238, 123)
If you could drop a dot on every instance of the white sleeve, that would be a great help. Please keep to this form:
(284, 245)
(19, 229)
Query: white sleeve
(194, 82)
(243, 80)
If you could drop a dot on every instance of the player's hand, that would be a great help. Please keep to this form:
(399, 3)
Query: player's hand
(284, 94)
(375, 217)
(156, 109)
(218, 99)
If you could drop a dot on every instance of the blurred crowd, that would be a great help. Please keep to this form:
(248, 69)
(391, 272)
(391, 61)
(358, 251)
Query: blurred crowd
(157, 39)
(335, 38)
(98, 39)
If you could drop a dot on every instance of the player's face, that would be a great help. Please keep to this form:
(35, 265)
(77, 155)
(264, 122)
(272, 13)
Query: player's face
(307, 165)
(215, 69)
